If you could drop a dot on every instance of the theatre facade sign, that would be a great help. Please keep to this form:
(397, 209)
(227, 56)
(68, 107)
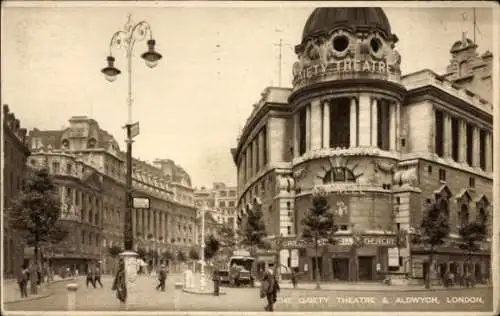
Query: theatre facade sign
(366, 241)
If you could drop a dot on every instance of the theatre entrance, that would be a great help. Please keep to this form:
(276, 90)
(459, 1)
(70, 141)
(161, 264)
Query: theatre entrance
(340, 267)
(366, 268)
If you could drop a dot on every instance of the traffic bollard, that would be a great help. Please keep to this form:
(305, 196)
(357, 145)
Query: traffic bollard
(72, 288)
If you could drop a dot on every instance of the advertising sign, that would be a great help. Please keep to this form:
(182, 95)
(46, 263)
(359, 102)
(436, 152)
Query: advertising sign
(294, 258)
(393, 257)
(141, 202)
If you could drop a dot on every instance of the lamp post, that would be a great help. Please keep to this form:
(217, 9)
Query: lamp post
(126, 39)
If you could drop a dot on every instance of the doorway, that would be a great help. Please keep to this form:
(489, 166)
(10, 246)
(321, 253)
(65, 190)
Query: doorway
(340, 268)
(365, 267)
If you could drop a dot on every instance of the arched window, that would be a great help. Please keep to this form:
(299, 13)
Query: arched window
(65, 143)
(339, 174)
(464, 215)
(82, 214)
(91, 215)
(444, 207)
(482, 215)
(91, 143)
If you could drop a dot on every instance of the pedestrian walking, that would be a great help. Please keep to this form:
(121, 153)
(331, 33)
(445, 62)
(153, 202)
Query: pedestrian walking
(216, 279)
(97, 277)
(269, 289)
(22, 280)
(162, 277)
(293, 278)
(90, 277)
(119, 284)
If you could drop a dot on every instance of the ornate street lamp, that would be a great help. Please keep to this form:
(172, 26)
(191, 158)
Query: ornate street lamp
(126, 39)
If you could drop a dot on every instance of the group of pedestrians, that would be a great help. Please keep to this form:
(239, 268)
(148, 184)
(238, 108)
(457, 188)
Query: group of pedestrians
(94, 277)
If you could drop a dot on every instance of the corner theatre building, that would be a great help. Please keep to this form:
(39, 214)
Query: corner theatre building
(378, 144)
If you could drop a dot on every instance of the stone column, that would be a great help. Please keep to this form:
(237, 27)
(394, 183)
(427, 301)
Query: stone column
(353, 124)
(364, 138)
(296, 134)
(462, 141)
(63, 195)
(261, 149)
(392, 126)
(475, 146)
(398, 126)
(308, 128)
(254, 157)
(447, 136)
(143, 223)
(374, 123)
(247, 163)
(326, 124)
(316, 124)
(134, 223)
(488, 152)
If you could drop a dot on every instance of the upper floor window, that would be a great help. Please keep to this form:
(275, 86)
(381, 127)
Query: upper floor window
(339, 174)
(91, 143)
(222, 204)
(232, 193)
(65, 143)
(55, 167)
(231, 203)
(223, 193)
(69, 168)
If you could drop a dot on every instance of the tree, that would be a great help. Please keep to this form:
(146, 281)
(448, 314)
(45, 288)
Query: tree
(254, 230)
(212, 245)
(36, 213)
(181, 256)
(194, 254)
(141, 253)
(167, 255)
(318, 225)
(434, 229)
(227, 238)
(471, 236)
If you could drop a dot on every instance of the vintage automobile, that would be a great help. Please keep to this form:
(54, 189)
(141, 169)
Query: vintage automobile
(239, 270)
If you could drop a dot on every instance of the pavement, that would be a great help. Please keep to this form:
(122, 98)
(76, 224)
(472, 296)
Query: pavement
(11, 293)
(333, 297)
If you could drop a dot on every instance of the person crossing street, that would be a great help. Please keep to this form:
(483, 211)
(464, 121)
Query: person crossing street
(97, 276)
(162, 277)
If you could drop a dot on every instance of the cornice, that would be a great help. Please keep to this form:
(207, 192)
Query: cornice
(348, 87)
(434, 94)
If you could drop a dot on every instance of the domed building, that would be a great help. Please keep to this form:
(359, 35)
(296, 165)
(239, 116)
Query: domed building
(378, 144)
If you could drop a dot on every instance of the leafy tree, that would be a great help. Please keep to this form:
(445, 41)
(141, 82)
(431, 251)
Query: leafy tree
(212, 245)
(167, 255)
(194, 254)
(254, 229)
(434, 229)
(114, 251)
(36, 213)
(318, 225)
(141, 253)
(227, 238)
(181, 256)
(471, 235)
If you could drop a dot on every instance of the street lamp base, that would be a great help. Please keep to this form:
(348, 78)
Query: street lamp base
(130, 261)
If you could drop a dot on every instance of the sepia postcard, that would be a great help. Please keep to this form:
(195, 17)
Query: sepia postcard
(249, 157)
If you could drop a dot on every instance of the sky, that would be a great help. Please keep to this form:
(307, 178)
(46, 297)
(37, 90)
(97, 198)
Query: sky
(216, 62)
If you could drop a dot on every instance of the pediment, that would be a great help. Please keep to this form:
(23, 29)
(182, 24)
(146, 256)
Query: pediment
(94, 180)
(464, 195)
(481, 198)
(443, 191)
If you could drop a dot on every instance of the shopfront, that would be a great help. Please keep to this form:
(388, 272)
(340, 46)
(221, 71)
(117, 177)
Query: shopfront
(363, 257)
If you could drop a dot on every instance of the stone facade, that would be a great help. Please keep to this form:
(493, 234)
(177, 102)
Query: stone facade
(15, 154)
(219, 201)
(89, 168)
(378, 144)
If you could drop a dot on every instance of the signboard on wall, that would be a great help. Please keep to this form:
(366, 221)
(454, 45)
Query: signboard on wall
(393, 257)
(417, 269)
(141, 202)
(294, 258)
(383, 241)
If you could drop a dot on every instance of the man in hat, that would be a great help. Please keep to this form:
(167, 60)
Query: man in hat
(162, 277)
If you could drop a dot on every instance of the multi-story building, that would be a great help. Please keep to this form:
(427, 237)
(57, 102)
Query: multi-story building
(379, 145)
(15, 153)
(89, 169)
(220, 200)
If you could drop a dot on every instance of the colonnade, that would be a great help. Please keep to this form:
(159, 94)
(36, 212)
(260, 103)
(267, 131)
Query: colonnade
(363, 124)
(151, 221)
(254, 156)
(88, 204)
(476, 152)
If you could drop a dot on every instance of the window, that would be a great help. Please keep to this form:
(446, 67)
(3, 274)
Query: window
(289, 230)
(482, 149)
(55, 167)
(469, 140)
(232, 193)
(403, 142)
(383, 125)
(472, 182)
(343, 227)
(442, 175)
(264, 145)
(83, 237)
(340, 111)
(302, 130)
(455, 142)
(223, 193)
(288, 205)
(398, 200)
(429, 169)
(463, 216)
(398, 226)
(439, 131)
(231, 203)
(222, 204)
(339, 174)
(69, 168)
(91, 143)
